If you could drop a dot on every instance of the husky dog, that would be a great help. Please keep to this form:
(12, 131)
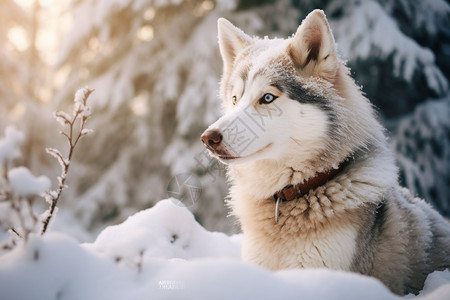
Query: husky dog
(312, 179)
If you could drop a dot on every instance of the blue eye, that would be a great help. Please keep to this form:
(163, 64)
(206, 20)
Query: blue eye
(267, 98)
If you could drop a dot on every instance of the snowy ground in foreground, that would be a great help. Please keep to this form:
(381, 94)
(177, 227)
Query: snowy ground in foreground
(163, 253)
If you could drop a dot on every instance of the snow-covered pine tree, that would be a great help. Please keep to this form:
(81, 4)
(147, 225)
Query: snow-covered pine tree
(24, 84)
(155, 65)
(371, 34)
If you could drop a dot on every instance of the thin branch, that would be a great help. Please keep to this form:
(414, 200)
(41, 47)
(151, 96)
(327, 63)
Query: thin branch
(17, 209)
(65, 134)
(65, 163)
(16, 232)
(34, 217)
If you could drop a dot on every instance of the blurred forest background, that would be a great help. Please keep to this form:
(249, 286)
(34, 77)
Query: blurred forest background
(155, 68)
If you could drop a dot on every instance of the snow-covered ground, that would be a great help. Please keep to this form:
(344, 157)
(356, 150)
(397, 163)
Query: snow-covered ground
(163, 253)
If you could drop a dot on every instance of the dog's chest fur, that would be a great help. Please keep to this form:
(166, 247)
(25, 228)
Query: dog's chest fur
(318, 230)
(294, 241)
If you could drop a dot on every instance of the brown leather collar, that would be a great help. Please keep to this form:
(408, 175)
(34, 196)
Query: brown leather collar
(291, 192)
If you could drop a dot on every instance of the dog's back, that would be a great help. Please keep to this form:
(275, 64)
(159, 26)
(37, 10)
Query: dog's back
(401, 242)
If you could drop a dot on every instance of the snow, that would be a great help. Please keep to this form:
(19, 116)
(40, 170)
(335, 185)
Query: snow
(436, 286)
(9, 145)
(86, 131)
(91, 16)
(81, 108)
(80, 95)
(167, 230)
(140, 259)
(57, 154)
(62, 117)
(23, 183)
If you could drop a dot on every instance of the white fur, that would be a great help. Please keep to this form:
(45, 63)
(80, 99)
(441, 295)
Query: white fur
(290, 243)
(289, 141)
(254, 123)
(285, 143)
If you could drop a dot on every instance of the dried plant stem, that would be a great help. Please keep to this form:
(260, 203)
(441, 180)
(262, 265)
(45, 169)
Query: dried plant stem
(15, 202)
(54, 198)
(72, 140)
(16, 232)
(16, 206)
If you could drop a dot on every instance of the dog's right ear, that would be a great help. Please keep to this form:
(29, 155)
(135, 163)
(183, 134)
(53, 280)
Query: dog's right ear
(231, 41)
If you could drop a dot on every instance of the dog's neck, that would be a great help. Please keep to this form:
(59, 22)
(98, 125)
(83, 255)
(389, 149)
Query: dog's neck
(294, 191)
(264, 178)
(253, 186)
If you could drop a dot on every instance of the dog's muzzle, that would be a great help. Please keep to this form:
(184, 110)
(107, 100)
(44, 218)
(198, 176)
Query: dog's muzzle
(213, 140)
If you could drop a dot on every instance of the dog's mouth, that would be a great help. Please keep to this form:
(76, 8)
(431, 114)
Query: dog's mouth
(227, 158)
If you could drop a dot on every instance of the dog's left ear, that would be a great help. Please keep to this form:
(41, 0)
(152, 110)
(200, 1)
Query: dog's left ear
(312, 49)
(231, 41)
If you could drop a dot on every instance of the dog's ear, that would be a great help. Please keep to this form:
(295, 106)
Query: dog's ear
(312, 49)
(231, 41)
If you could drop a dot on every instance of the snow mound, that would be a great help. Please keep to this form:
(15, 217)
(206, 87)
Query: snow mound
(437, 286)
(57, 267)
(168, 230)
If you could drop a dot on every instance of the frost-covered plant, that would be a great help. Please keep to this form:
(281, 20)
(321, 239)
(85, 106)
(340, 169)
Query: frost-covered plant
(19, 188)
(81, 113)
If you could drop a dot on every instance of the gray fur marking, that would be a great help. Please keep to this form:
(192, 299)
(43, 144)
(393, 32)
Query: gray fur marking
(296, 92)
(381, 239)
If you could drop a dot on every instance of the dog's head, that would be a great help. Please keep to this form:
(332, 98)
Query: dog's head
(281, 97)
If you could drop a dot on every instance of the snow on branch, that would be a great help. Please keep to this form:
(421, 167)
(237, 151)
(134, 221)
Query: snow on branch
(368, 30)
(9, 145)
(81, 113)
(24, 184)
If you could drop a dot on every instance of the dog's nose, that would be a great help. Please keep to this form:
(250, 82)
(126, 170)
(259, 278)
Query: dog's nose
(212, 138)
